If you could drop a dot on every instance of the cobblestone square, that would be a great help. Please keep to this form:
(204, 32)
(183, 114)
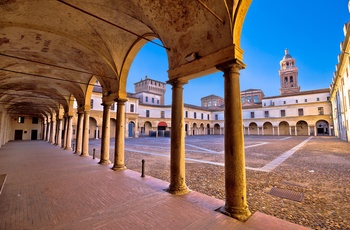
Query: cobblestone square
(320, 164)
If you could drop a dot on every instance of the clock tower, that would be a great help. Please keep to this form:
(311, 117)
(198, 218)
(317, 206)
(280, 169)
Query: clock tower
(288, 75)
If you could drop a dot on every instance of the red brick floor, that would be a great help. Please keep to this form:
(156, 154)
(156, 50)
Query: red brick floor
(50, 188)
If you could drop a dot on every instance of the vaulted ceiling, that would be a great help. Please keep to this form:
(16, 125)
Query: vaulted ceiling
(51, 50)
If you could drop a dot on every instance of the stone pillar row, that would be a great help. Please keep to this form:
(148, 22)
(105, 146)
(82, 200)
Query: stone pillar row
(235, 176)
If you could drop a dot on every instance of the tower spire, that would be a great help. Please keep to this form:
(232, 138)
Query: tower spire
(288, 75)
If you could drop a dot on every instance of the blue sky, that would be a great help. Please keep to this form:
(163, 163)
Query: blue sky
(311, 30)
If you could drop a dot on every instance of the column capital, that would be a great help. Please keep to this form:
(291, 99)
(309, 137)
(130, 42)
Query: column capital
(121, 100)
(177, 82)
(232, 65)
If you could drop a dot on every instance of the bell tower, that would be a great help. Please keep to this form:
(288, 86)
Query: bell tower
(288, 75)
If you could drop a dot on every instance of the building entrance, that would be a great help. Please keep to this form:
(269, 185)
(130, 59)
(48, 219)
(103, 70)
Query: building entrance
(18, 134)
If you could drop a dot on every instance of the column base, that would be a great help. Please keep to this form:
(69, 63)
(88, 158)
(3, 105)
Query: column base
(118, 167)
(68, 148)
(77, 152)
(104, 162)
(239, 214)
(84, 154)
(178, 191)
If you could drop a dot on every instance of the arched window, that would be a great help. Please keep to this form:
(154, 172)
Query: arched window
(291, 79)
(286, 80)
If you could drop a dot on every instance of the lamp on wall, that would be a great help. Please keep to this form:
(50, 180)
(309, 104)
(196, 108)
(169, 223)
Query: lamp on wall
(191, 57)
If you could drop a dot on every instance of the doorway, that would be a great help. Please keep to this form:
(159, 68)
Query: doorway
(18, 134)
(34, 135)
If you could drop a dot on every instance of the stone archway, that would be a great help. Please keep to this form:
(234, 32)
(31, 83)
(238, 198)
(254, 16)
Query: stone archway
(268, 128)
(201, 129)
(147, 127)
(253, 129)
(283, 128)
(217, 129)
(93, 128)
(322, 128)
(194, 129)
(208, 129)
(302, 128)
(131, 129)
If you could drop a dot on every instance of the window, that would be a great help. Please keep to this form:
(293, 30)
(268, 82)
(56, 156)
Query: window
(291, 79)
(186, 114)
(157, 102)
(273, 103)
(286, 80)
(283, 113)
(320, 111)
(146, 99)
(113, 106)
(296, 101)
(208, 116)
(266, 113)
(301, 112)
(328, 97)
(35, 120)
(195, 115)
(284, 102)
(147, 113)
(92, 103)
(305, 100)
(214, 102)
(249, 98)
(216, 117)
(202, 116)
(152, 100)
(251, 114)
(243, 99)
(256, 98)
(132, 108)
(20, 120)
(318, 99)
(161, 114)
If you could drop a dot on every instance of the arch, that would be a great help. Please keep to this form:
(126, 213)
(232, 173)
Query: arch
(201, 129)
(268, 128)
(131, 129)
(127, 62)
(322, 128)
(217, 129)
(194, 129)
(162, 125)
(208, 129)
(302, 128)
(93, 128)
(147, 127)
(186, 129)
(253, 128)
(283, 127)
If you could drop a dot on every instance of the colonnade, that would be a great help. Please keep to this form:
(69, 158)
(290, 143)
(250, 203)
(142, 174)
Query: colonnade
(235, 177)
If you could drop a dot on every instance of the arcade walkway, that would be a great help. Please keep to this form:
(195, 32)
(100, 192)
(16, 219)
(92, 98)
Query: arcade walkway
(50, 188)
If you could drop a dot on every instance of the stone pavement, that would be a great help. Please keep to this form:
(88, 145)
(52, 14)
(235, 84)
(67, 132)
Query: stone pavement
(50, 188)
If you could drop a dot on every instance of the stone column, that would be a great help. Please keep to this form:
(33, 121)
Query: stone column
(59, 132)
(295, 130)
(273, 131)
(69, 133)
(235, 172)
(79, 135)
(96, 133)
(86, 126)
(278, 130)
(290, 130)
(177, 153)
(48, 133)
(105, 141)
(44, 130)
(119, 136)
(65, 132)
(53, 128)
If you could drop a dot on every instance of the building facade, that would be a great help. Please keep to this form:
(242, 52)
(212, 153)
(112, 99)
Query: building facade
(340, 89)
